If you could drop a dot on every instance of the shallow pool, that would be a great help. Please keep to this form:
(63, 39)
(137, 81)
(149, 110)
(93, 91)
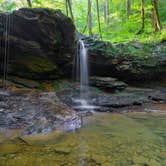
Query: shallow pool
(135, 139)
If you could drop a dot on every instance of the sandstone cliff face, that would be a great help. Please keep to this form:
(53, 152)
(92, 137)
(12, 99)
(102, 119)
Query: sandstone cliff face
(41, 42)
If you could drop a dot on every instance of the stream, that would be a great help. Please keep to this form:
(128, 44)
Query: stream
(132, 139)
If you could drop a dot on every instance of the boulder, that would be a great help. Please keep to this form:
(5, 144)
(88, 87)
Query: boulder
(41, 43)
(107, 83)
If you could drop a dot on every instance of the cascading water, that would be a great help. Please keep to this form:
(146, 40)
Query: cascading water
(84, 72)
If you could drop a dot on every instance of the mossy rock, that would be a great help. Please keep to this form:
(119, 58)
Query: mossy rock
(132, 61)
(42, 43)
(39, 64)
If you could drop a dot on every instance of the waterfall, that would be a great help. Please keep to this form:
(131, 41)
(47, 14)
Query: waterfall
(5, 47)
(84, 72)
(81, 71)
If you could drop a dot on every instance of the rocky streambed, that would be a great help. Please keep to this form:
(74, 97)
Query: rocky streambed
(128, 128)
(35, 112)
(115, 102)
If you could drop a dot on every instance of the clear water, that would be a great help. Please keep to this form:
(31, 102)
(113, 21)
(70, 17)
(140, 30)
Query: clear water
(136, 139)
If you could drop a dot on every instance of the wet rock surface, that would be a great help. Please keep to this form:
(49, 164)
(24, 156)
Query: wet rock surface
(111, 102)
(35, 112)
(24, 82)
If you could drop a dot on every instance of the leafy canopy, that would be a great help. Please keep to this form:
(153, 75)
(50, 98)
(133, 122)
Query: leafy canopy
(119, 29)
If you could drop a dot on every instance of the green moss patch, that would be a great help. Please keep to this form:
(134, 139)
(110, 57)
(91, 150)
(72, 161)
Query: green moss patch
(39, 64)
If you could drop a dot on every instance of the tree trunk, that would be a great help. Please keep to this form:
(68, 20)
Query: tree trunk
(106, 12)
(98, 18)
(90, 18)
(70, 9)
(155, 16)
(29, 3)
(128, 9)
(143, 14)
(66, 6)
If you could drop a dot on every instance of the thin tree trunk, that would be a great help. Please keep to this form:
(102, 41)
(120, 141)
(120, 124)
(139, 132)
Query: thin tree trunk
(85, 27)
(143, 14)
(128, 9)
(142, 17)
(70, 9)
(66, 6)
(155, 16)
(90, 18)
(106, 12)
(98, 17)
(29, 3)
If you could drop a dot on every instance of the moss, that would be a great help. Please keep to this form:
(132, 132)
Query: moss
(39, 64)
(95, 90)
(106, 48)
(56, 85)
(61, 85)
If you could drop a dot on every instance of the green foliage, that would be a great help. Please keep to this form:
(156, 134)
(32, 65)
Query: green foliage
(119, 29)
(7, 5)
(57, 85)
(61, 85)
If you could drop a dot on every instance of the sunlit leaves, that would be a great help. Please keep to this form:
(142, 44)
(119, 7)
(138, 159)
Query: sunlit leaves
(118, 30)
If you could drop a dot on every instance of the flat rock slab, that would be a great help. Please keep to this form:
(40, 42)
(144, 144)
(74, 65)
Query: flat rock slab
(107, 83)
(35, 112)
(110, 102)
(25, 82)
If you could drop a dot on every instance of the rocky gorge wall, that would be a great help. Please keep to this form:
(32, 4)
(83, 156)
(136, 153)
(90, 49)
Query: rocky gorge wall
(42, 45)
(132, 61)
